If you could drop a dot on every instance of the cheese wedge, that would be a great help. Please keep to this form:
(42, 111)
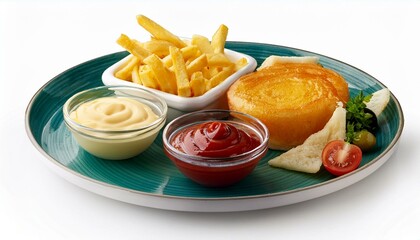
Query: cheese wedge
(307, 156)
(379, 100)
(274, 60)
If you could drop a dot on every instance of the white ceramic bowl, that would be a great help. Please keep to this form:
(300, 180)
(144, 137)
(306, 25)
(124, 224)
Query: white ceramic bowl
(187, 104)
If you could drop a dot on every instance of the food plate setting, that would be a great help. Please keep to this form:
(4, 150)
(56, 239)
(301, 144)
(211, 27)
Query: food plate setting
(151, 178)
(166, 124)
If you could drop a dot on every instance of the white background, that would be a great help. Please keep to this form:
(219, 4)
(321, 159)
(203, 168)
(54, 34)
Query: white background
(40, 39)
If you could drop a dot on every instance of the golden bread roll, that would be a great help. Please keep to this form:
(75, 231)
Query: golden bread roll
(293, 100)
(316, 71)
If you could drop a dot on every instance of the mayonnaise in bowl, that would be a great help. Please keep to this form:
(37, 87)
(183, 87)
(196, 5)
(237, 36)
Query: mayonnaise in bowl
(115, 122)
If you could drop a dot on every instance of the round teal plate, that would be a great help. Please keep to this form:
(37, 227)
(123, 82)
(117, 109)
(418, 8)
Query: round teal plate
(151, 180)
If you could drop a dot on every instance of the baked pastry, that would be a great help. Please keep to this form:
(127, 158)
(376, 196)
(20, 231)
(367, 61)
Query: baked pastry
(294, 100)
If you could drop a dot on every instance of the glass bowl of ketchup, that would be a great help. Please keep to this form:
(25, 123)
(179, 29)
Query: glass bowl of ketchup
(215, 148)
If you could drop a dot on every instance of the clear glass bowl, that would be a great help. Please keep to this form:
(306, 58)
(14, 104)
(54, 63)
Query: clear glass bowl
(216, 171)
(115, 144)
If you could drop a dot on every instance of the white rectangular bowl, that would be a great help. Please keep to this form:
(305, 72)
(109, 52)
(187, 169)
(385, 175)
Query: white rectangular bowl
(188, 104)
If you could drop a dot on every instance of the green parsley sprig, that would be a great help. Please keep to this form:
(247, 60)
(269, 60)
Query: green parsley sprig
(358, 117)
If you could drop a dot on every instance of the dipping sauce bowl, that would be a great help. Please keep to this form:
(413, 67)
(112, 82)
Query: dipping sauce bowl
(215, 148)
(115, 122)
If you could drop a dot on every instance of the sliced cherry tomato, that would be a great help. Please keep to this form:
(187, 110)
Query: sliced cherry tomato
(340, 157)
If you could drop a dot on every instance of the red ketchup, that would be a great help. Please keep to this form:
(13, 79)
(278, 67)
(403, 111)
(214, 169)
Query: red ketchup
(216, 153)
(215, 139)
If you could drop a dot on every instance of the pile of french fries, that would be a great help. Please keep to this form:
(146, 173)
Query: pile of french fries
(187, 68)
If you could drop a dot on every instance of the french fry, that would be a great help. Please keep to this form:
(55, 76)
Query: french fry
(218, 60)
(240, 63)
(190, 51)
(167, 61)
(159, 32)
(221, 76)
(202, 43)
(158, 47)
(198, 84)
(182, 80)
(125, 71)
(133, 47)
(164, 77)
(218, 40)
(197, 64)
(135, 78)
(147, 77)
(210, 72)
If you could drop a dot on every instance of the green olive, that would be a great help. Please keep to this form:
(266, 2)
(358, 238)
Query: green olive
(365, 140)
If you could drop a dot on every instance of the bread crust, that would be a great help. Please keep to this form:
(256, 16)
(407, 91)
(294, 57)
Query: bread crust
(293, 100)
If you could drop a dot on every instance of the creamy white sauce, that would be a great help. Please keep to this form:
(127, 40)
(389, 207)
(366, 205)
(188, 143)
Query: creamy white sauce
(114, 113)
